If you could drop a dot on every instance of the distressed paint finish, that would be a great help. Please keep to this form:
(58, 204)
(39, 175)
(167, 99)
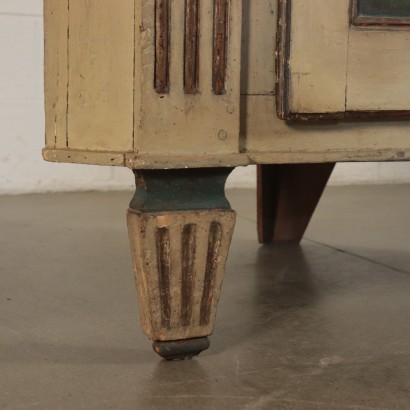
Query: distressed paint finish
(118, 81)
(220, 51)
(273, 141)
(163, 249)
(306, 62)
(168, 311)
(174, 191)
(56, 68)
(258, 40)
(100, 75)
(169, 124)
(162, 42)
(191, 46)
(356, 65)
(188, 272)
(215, 242)
(379, 67)
(264, 138)
(179, 242)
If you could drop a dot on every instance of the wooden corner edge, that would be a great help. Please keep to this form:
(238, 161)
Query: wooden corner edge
(84, 157)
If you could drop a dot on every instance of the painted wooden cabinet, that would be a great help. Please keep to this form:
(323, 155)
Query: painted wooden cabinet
(182, 91)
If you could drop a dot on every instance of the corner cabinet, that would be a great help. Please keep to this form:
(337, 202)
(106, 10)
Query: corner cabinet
(181, 92)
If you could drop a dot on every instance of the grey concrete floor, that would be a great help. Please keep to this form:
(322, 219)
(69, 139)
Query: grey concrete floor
(324, 325)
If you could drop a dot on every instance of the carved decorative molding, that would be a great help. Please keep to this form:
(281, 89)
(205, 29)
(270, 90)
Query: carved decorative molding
(180, 227)
(191, 46)
(284, 78)
(162, 45)
(380, 13)
(179, 262)
(220, 48)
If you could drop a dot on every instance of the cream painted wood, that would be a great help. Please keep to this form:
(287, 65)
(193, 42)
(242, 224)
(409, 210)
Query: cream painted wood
(108, 54)
(264, 138)
(271, 140)
(258, 55)
(89, 63)
(176, 123)
(56, 72)
(318, 56)
(337, 67)
(101, 69)
(158, 323)
(378, 70)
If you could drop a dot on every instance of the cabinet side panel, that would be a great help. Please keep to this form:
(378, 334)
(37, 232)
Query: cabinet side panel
(101, 75)
(56, 80)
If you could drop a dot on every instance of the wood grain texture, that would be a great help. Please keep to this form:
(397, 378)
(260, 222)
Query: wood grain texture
(287, 198)
(388, 147)
(191, 46)
(56, 27)
(258, 34)
(192, 303)
(101, 67)
(166, 129)
(271, 140)
(212, 261)
(282, 59)
(84, 157)
(318, 56)
(220, 51)
(162, 242)
(378, 71)
(162, 45)
(188, 258)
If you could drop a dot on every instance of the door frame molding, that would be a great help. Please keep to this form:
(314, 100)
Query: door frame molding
(377, 22)
(283, 50)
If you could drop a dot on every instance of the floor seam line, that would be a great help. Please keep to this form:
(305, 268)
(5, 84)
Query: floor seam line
(385, 265)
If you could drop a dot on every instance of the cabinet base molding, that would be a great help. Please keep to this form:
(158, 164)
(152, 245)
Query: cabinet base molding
(250, 157)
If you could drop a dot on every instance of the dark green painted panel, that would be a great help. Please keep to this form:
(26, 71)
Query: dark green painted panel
(180, 189)
(384, 8)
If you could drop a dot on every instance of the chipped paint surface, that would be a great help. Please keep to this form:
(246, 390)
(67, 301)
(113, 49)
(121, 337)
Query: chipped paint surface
(177, 130)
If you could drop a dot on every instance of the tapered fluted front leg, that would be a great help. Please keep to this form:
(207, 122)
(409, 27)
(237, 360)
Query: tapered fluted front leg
(180, 227)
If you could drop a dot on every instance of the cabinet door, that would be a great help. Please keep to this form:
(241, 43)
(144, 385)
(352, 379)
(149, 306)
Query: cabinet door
(343, 59)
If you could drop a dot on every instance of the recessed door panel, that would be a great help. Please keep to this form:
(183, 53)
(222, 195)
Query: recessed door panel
(343, 59)
(386, 8)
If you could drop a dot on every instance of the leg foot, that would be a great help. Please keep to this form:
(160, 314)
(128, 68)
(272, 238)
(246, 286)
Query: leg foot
(180, 227)
(181, 349)
(287, 198)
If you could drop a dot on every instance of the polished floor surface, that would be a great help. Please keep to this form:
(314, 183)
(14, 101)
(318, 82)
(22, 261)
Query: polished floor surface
(324, 325)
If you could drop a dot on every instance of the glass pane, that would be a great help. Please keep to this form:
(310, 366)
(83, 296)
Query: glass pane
(384, 8)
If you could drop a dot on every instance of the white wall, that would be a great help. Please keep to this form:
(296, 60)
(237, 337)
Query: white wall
(22, 122)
